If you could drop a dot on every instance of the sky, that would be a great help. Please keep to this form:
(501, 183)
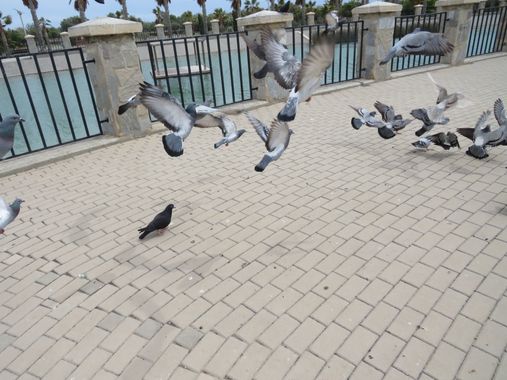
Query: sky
(56, 10)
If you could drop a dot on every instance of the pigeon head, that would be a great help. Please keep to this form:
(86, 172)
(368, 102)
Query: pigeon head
(13, 119)
(16, 205)
(170, 207)
(191, 109)
(291, 132)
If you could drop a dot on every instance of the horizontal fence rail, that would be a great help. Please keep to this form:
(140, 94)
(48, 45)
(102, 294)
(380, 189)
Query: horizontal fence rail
(53, 93)
(404, 25)
(347, 61)
(195, 69)
(488, 30)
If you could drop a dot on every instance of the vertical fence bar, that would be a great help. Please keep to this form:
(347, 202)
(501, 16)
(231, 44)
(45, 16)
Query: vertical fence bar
(178, 73)
(189, 70)
(240, 66)
(92, 96)
(164, 61)
(201, 76)
(233, 88)
(221, 68)
(211, 71)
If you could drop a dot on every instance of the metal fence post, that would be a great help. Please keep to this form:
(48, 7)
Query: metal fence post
(266, 88)
(32, 45)
(457, 30)
(115, 72)
(379, 21)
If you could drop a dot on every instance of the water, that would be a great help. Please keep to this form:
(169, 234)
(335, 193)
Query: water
(52, 128)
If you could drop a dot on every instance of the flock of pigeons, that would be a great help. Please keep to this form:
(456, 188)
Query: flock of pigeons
(302, 79)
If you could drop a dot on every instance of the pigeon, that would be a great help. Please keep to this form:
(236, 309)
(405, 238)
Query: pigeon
(276, 139)
(285, 8)
(333, 21)
(168, 110)
(452, 99)
(430, 116)
(159, 222)
(210, 117)
(389, 116)
(309, 76)
(8, 212)
(419, 42)
(384, 129)
(446, 141)
(7, 127)
(279, 61)
(483, 136)
(132, 102)
(258, 50)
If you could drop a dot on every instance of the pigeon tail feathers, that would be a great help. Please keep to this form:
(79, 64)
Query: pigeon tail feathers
(390, 55)
(264, 162)
(145, 232)
(420, 132)
(123, 108)
(386, 133)
(220, 143)
(173, 145)
(288, 112)
(262, 72)
(356, 123)
(466, 132)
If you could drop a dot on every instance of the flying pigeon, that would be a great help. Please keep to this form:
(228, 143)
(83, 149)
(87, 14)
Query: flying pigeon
(384, 129)
(483, 136)
(430, 116)
(285, 8)
(258, 50)
(333, 21)
(309, 76)
(210, 117)
(389, 116)
(7, 127)
(279, 61)
(419, 42)
(8, 212)
(452, 99)
(159, 222)
(446, 141)
(168, 110)
(276, 139)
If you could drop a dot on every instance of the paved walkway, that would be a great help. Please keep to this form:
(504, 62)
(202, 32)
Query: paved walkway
(350, 256)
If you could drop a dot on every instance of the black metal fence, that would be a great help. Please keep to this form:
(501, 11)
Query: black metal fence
(404, 25)
(194, 69)
(347, 61)
(487, 34)
(53, 93)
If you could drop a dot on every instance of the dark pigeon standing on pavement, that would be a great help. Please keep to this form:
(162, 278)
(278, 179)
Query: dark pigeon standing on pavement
(419, 42)
(161, 221)
(276, 139)
(445, 140)
(430, 116)
(8, 212)
(7, 129)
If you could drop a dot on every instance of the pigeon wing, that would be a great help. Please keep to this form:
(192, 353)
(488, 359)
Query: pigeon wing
(315, 63)
(332, 20)
(442, 93)
(278, 135)
(386, 111)
(227, 126)
(435, 44)
(5, 212)
(254, 46)
(499, 110)
(168, 111)
(261, 128)
(480, 126)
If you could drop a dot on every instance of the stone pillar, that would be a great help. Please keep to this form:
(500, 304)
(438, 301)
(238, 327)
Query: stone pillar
(160, 31)
(65, 40)
(482, 5)
(266, 88)
(115, 73)
(310, 16)
(378, 19)
(215, 26)
(457, 28)
(418, 9)
(188, 29)
(31, 44)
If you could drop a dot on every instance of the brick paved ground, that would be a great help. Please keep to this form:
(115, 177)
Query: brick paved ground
(349, 257)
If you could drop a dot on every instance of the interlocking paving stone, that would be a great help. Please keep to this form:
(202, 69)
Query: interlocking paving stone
(350, 257)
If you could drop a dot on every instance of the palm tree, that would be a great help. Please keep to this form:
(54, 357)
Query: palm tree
(220, 15)
(202, 4)
(271, 5)
(33, 5)
(303, 10)
(252, 6)
(124, 10)
(236, 8)
(167, 16)
(44, 24)
(81, 5)
(158, 15)
(4, 21)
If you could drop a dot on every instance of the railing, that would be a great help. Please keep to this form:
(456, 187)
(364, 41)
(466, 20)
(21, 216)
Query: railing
(487, 34)
(53, 93)
(50, 44)
(194, 69)
(434, 22)
(347, 61)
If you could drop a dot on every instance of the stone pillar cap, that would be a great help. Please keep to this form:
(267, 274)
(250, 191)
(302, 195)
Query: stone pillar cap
(187, 23)
(449, 3)
(64, 33)
(377, 7)
(264, 17)
(102, 26)
(159, 25)
(310, 13)
(28, 36)
(215, 20)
